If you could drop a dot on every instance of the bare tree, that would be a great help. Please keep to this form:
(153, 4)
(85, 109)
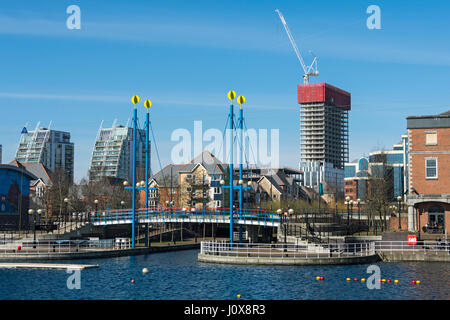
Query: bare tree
(55, 195)
(380, 189)
(109, 193)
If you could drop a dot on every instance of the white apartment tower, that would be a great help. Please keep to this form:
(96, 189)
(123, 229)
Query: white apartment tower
(113, 153)
(52, 148)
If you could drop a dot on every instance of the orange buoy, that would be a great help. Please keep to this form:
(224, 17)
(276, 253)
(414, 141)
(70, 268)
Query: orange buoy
(132, 280)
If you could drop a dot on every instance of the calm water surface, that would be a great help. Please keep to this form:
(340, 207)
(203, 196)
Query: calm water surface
(178, 275)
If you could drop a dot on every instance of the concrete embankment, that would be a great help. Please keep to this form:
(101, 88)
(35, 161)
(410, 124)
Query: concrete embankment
(94, 254)
(387, 256)
(286, 261)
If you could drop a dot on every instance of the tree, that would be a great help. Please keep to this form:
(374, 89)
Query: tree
(55, 195)
(380, 189)
(109, 192)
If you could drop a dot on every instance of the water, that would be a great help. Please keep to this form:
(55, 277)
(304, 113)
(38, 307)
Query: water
(178, 275)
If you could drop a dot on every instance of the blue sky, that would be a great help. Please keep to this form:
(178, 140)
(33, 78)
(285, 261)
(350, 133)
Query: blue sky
(186, 55)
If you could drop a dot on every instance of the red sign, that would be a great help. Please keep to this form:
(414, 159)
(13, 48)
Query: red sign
(412, 239)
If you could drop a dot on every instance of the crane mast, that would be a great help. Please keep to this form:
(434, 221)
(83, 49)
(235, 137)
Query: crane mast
(308, 71)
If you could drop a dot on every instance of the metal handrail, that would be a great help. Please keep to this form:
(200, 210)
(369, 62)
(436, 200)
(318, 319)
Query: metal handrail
(199, 214)
(54, 246)
(426, 246)
(287, 251)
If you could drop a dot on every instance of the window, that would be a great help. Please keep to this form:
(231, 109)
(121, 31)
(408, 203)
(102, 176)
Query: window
(431, 168)
(430, 138)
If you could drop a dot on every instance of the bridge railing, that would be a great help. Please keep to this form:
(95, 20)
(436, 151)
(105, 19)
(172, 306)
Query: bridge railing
(105, 217)
(288, 250)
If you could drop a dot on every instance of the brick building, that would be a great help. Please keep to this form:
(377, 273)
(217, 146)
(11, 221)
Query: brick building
(429, 173)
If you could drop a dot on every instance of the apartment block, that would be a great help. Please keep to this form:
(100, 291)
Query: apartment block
(52, 148)
(112, 156)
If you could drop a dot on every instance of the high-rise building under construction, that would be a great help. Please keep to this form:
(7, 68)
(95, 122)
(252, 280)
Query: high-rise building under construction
(113, 153)
(324, 140)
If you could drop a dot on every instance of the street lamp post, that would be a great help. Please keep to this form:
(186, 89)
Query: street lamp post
(31, 213)
(290, 213)
(280, 214)
(399, 200)
(96, 205)
(66, 201)
(358, 202)
(348, 202)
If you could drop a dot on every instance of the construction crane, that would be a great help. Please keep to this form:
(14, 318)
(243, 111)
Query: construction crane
(308, 71)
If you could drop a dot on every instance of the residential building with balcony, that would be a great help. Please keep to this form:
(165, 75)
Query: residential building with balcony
(52, 148)
(112, 156)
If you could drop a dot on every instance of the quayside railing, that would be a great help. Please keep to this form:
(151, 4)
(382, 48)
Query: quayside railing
(288, 250)
(425, 246)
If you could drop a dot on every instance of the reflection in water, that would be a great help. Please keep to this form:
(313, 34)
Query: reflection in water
(178, 275)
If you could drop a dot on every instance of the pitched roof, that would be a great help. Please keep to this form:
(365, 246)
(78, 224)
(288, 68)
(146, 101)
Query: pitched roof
(36, 168)
(272, 182)
(163, 177)
(211, 164)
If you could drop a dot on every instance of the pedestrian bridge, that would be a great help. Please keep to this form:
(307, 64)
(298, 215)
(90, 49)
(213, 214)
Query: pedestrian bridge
(257, 217)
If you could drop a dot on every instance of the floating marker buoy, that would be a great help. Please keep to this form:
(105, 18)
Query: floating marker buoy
(418, 281)
(317, 278)
(238, 296)
(356, 279)
(395, 281)
(19, 248)
(132, 280)
(348, 279)
(413, 282)
(388, 280)
(363, 280)
(380, 280)
(145, 270)
(322, 278)
(384, 280)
